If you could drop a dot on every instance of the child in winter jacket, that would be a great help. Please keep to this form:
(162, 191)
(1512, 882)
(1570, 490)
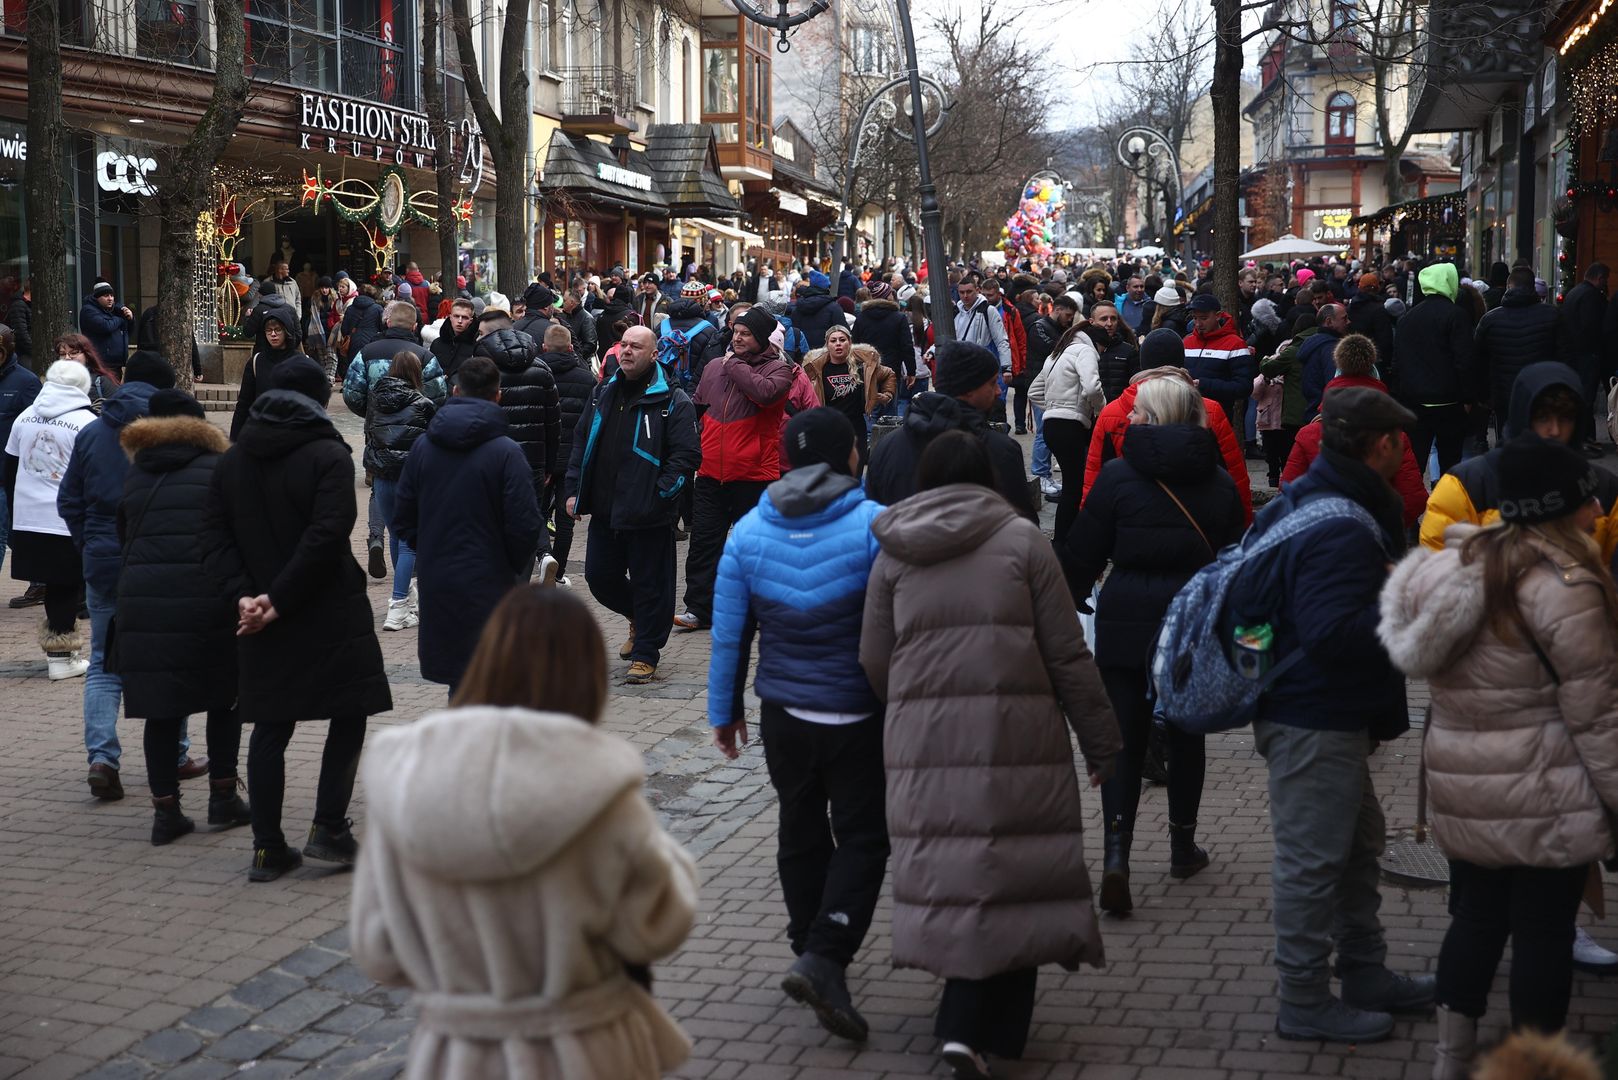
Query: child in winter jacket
(1268, 395)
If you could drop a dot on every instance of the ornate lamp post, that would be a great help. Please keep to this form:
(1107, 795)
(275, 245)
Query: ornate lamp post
(1144, 151)
(868, 126)
(932, 216)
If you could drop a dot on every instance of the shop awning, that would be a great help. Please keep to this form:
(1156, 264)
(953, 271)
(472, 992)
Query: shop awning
(727, 231)
(1445, 208)
(686, 161)
(589, 171)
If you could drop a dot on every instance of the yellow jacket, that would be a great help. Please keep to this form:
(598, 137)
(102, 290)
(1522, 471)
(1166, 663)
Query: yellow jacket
(1460, 494)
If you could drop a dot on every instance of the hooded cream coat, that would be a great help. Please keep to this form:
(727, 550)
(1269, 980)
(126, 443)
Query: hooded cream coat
(511, 868)
(1521, 770)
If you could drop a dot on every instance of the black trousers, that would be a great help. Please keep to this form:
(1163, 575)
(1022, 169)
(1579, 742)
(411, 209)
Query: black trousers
(161, 742)
(631, 572)
(1588, 365)
(831, 867)
(1441, 424)
(991, 1015)
(1017, 397)
(1535, 908)
(718, 507)
(554, 510)
(1186, 754)
(62, 600)
(267, 776)
(1277, 448)
(1069, 441)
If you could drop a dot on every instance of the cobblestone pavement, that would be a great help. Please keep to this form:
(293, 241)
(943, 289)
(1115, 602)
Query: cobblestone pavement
(118, 959)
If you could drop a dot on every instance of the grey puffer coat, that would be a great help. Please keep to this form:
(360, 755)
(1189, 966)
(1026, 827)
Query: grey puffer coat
(1522, 770)
(971, 638)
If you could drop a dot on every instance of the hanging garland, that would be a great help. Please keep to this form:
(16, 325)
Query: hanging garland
(1567, 218)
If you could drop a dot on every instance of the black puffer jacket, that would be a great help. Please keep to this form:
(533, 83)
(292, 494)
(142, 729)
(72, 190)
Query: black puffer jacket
(892, 475)
(176, 643)
(1119, 360)
(1130, 521)
(529, 399)
(396, 415)
(816, 313)
(883, 326)
(362, 322)
(454, 349)
(1519, 332)
(574, 387)
(280, 514)
(1368, 315)
(1433, 355)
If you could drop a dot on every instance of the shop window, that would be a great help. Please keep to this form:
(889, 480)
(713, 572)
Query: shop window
(645, 54)
(1340, 122)
(168, 30)
(75, 17)
(720, 92)
(357, 48)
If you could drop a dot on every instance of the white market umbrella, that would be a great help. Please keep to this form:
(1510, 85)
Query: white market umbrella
(1290, 247)
(1150, 251)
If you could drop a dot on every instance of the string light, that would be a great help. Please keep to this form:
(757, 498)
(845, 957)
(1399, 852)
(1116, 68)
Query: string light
(1583, 30)
(1592, 97)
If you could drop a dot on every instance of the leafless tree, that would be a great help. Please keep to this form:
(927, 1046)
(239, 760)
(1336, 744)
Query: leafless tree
(45, 180)
(505, 133)
(439, 123)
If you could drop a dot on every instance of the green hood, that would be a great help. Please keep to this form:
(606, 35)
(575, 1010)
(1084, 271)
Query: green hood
(1440, 279)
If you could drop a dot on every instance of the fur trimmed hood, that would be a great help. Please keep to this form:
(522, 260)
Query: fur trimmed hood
(1432, 607)
(875, 304)
(151, 431)
(866, 354)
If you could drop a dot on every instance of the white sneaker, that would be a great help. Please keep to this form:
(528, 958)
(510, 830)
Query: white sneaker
(1587, 955)
(564, 582)
(400, 617)
(415, 601)
(66, 666)
(965, 1063)
(1050, 487)
(547, 570)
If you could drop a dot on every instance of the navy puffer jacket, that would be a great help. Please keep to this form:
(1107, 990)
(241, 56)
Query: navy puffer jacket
(574, 388)
(93, 485)
(396, 415)
(529, 399)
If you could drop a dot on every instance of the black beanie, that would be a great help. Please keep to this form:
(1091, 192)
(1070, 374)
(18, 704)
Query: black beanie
(176, 403)
(760, 323)
(303, 376)
(538, 296)
(149, 367)
(1542, 480)
(818, 436)
(963, 367)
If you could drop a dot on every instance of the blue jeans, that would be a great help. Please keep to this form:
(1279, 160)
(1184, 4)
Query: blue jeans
(399, 553)
(1042, 453)
(5, 523)
(103, 691)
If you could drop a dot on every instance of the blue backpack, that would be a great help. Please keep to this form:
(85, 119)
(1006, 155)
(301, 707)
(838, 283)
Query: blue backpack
(1203, 682)
(675, 348)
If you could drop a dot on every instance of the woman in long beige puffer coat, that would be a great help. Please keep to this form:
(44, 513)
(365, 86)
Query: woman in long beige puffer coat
(971, 637)
(1515, 627)
(514, 876)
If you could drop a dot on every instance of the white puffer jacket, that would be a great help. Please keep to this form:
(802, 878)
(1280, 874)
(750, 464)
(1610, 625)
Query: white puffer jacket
(1522, 768)
(1068, 387)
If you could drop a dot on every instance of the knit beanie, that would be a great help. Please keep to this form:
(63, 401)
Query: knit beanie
(1369, 281)
(1355, 354)
(963, 367)
(1162, 348)
(176, 403)
(303, 376)
(760, 323)
(538, 297)
(1542, 480)
(818, 436)
(149, 367)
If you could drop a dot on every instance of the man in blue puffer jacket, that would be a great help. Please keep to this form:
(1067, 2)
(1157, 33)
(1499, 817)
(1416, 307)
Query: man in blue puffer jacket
(794, 571)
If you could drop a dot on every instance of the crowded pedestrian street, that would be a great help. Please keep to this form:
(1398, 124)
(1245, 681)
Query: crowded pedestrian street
(121, 960)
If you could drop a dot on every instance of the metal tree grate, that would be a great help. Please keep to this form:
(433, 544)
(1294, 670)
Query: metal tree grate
(1415, 862)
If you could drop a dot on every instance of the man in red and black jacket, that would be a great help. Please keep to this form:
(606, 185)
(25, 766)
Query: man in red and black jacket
(744, 395)
(1017, 339)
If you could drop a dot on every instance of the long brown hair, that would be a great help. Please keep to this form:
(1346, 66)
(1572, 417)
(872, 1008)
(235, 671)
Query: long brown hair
(407, 366)
(1507, 552)
(540, 649)
(92, 359)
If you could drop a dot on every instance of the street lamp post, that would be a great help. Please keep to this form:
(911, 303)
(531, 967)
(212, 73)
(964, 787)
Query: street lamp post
(878, 102)
(1138, 148)
(932, 216)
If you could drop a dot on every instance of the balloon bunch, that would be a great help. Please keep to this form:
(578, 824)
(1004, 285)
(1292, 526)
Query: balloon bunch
(1032, 229)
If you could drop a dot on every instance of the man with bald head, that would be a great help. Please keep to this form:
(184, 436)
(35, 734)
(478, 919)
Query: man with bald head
(1316, 355)
(633, 450)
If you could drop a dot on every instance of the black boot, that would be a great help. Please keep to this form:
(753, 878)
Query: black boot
(1185, 857)
(169, 823)
(1115, 898)
(332, 845)
(226, 808)
(271, 863)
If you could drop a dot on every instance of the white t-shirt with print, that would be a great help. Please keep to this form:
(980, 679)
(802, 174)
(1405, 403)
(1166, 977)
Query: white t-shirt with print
(42, 442)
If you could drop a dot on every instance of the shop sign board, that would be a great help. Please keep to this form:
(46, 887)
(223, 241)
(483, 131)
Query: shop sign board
(125, 174)
(612, 174)
(331, 124)
(792, 204)
(1331, 226)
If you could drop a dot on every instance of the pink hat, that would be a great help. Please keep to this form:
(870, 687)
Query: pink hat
(1305, 276)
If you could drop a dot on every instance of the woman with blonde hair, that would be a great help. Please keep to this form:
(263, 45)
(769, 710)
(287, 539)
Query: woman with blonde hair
(1158, 513)
(1515, 627)
(851, 379)
(514, 875)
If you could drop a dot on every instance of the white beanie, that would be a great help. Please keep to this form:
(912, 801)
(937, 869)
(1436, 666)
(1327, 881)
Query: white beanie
(1168, 296)
(69, 373)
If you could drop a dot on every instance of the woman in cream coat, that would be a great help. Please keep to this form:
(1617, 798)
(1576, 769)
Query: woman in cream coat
(514, 876)
(1516, 629)
(1068, 389)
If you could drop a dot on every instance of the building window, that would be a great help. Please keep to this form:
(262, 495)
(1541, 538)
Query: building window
(1340, 120)
(544, 27)
(570, 31)
(168, 30)
(362, 51)
(645, 54)
(1344, 14)
(686, 74)
(868, 47)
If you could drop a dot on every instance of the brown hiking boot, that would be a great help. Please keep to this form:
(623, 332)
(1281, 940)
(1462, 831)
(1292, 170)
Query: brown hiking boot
(104, 782)
(640, 673)
(629, 645)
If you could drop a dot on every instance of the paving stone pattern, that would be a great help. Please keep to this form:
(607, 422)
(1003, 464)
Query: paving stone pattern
(120, 960)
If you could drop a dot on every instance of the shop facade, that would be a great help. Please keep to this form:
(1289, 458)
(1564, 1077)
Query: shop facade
(600, 206)
(1585, 214)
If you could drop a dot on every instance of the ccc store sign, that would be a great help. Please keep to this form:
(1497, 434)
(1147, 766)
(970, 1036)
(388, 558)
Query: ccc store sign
(125, 173)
